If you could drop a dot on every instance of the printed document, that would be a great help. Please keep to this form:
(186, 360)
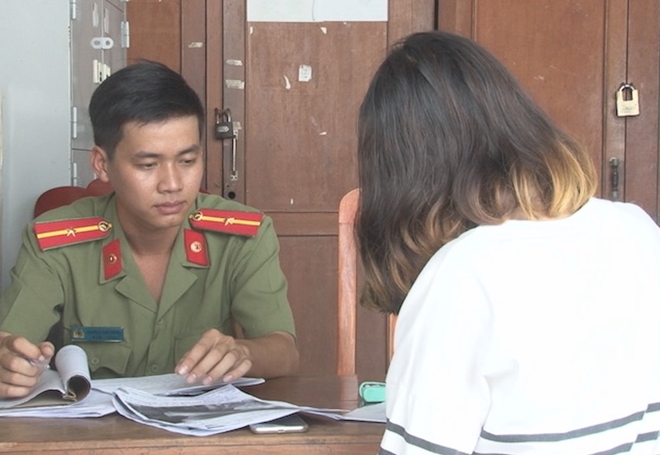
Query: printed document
(218, 411)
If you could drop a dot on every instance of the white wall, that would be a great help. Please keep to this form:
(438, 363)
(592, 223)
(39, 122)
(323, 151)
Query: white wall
(34, 85)
(316, 10)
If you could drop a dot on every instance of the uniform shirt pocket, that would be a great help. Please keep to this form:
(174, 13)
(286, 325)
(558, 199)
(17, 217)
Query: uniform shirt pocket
(183, 344)
(107, 360)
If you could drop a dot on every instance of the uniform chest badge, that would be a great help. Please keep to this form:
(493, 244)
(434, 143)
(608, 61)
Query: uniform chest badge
(97, 334)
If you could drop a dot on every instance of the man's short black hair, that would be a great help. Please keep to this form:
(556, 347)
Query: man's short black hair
(144, 92)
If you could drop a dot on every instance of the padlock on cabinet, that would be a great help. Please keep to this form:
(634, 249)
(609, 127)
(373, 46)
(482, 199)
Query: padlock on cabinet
(224, 127)
(627, 101)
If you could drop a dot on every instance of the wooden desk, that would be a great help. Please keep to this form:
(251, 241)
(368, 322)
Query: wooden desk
(115, 434)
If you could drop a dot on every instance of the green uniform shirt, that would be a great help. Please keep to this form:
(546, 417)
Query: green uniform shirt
(243, 282)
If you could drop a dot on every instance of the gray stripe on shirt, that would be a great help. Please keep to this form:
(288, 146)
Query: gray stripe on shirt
(541, 437)
(419, 442)
(553, 437)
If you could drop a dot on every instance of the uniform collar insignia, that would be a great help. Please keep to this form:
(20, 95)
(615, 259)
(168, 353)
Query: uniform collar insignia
(196, 250)
(230, 222)
(112, 264)
(54, 234)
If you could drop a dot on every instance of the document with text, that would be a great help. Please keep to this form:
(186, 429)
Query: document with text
(164, 401)
(218, 411)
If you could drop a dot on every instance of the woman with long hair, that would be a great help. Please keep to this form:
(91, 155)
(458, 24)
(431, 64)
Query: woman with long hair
(528, 307)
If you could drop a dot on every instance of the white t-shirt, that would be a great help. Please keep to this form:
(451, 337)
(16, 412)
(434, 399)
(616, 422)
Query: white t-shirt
(535, 337)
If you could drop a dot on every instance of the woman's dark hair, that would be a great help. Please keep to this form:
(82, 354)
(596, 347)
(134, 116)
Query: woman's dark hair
(144, 92)
(448, 141)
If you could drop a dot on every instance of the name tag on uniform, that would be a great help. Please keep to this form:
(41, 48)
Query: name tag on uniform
(97, 334)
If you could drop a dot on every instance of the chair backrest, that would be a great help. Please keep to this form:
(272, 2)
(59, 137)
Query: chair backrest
(347, 289)
(65, 195)
(98, 187)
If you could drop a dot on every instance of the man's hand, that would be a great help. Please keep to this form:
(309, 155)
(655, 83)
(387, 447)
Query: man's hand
(21, 364)
(217, 356)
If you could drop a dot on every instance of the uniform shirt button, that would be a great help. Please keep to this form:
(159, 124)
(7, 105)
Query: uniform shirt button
(160, 322)
(95, 361)
(154, 368)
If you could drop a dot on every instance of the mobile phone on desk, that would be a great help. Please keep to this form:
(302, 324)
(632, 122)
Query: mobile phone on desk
(290, 424)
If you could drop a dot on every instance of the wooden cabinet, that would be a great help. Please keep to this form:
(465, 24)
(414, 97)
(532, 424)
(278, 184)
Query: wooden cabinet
(572, 56)
(293, 88)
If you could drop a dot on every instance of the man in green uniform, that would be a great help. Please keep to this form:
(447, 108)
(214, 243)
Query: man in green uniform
(154, 277)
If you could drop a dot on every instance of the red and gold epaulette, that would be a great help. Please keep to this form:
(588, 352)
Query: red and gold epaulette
(53, 234)
(240, 223)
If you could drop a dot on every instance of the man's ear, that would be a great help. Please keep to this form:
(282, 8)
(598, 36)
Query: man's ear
(99, 161)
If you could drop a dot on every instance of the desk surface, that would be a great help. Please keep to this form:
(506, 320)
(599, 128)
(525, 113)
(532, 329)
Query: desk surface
(115, 434)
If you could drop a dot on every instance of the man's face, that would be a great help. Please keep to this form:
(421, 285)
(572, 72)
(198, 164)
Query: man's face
(156, 173)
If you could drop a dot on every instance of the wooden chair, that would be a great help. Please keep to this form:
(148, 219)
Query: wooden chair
(98, 187)
(64, 195)
(347, 289)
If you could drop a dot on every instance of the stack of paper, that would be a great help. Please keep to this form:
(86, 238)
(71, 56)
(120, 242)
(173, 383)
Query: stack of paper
(165, 401)
(95, 404)
(167, 384)
(63, 393)
(217, 411)
(220, 410)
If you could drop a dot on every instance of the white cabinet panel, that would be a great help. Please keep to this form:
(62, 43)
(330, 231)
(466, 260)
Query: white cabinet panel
(46, 80)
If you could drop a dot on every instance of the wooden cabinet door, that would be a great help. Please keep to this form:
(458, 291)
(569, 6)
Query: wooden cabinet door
(572, 56)
(296, 152)
(304, 82)
(293, 90)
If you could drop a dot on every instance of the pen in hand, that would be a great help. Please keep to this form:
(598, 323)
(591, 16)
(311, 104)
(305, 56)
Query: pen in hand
(42, 364)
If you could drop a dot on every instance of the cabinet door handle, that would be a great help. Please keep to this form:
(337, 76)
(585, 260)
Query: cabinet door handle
(614, 176)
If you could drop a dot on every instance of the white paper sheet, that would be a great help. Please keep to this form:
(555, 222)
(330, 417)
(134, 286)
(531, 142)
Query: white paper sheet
(167, 384)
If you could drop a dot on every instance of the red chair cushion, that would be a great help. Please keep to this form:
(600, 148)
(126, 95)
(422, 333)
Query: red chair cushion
(65, 195)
